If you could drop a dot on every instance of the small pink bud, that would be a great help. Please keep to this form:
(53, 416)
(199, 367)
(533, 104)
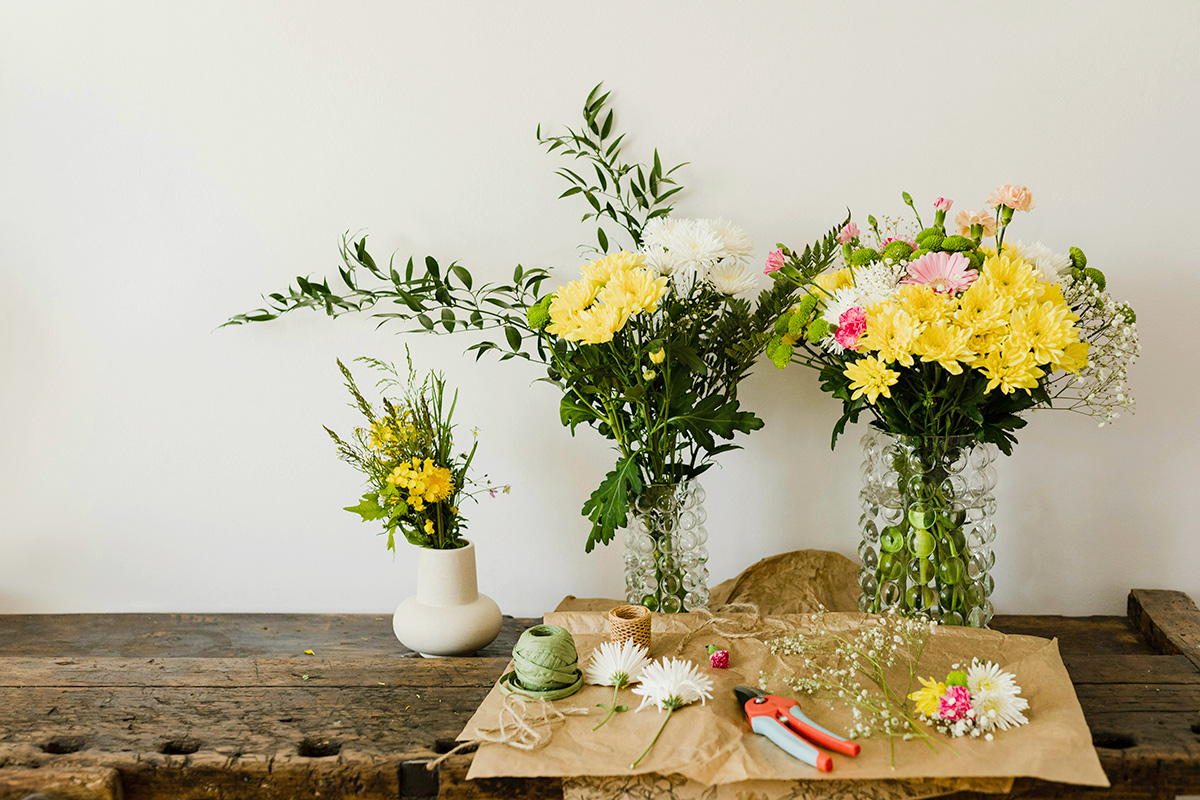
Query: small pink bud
(848, 233)
(718, 658)
(942, 204)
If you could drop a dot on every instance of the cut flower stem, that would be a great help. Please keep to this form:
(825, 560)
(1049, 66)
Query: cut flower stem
(670, 710)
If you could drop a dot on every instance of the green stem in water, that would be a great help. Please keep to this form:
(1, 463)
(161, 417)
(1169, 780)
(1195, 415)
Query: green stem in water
(645, 752)
(612, 709)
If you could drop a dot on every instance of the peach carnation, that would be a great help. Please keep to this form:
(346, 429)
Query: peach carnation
(1018, 198)
(965, 219)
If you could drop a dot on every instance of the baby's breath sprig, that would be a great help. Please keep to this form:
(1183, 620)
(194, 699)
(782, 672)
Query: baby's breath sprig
(852, 661)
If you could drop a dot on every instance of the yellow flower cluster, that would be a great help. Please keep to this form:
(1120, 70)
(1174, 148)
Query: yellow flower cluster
(591, 310)
(1009, 325)
(426, 482)
(387, 432)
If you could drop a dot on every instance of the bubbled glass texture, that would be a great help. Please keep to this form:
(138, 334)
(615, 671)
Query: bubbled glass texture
(666, 561)
(927, 531)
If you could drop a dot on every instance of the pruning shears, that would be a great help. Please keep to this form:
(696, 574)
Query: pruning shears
(781, 720)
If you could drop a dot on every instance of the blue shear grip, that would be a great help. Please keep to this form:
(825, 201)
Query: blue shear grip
(790, 743)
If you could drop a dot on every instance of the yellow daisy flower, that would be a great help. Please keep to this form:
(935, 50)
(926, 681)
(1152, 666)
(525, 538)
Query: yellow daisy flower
(891, 331)
(946, 344)
(870, 376)
(925, 700)
(1011, 367)
(603, 270)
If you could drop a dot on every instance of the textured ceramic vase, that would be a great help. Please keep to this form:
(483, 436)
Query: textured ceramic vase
(447, 616)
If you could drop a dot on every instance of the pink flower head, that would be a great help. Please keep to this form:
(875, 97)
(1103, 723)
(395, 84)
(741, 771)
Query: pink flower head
(848, 233)
(1018, 198)
(942, 204)
(852, 324)
(955, 703)
(945, 273)
(774, 262)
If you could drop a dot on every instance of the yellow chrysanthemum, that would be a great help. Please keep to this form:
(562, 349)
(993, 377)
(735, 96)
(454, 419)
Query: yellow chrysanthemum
(634, 291)
(598, 324)
(1011, 276)
(925, 700)
(832, 281)
(891, 332)
(1044, 329)
(870, 376)
(601, 271)
(1075, 357)
(570, 301)
(946, 344)
(981, 308)
(923, 303)
(1010, 367)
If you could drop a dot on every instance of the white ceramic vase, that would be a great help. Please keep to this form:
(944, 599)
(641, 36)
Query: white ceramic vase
(447, 616)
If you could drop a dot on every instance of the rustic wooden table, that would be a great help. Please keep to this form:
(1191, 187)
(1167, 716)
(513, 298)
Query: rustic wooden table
(230, 706)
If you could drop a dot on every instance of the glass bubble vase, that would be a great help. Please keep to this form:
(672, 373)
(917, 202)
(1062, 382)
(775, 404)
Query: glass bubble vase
(666, 561)
(927, 530)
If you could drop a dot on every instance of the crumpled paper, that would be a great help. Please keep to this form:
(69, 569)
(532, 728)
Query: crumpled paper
(709, 752)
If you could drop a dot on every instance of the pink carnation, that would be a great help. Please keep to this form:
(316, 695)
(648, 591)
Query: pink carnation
(851, 325)
(945, 273)
(955, 703)
(911, 243)
(774, 262)
(942, 204)
(848, 233)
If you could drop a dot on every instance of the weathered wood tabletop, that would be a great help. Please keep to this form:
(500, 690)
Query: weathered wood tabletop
(230, 706)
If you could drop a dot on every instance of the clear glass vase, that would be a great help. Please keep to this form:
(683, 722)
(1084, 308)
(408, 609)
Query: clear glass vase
(927, 528)
(666, 562)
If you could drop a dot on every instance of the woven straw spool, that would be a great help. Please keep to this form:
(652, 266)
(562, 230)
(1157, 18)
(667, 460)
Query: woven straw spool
(629, 622)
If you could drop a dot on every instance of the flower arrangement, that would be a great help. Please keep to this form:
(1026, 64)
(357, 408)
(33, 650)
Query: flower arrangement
(939, 334)
(647, 346)
(974, 702)
(415, 481)
(946, 341)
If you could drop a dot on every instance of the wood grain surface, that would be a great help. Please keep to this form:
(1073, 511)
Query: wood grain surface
(230, 706)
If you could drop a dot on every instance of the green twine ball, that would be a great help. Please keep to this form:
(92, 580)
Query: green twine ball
(545, 664)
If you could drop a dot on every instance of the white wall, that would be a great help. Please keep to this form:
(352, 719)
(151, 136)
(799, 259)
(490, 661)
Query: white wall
(161, 164)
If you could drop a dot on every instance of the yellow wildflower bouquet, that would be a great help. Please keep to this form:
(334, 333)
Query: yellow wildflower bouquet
(416, 483)
(942, 335)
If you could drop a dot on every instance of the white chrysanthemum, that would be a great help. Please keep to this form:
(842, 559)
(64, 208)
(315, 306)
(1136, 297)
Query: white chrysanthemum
(673, 683)
(995, 697)
(656, 231)
(735, 241)
(614, 664)
(1048, 262)
(731, 277)
(659, 260)
(693, 241)
(879, 281)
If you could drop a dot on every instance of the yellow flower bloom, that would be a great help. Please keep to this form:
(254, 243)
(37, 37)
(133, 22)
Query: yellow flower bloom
(1011, 367)
(381, 435)
(946, 344)
(981, 308)
(429, 527)
(600, 272)
(1011, 276)
(925, 700)
(658, 356)
(634, 291)
(891, 331)
(439, 484)
(870, 376)
(1074, 357)
(923, 303)
(598, 324)
(832, 281)
(1045, 329)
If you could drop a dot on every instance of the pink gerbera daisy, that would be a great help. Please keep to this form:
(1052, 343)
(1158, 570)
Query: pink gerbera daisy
(943, 272)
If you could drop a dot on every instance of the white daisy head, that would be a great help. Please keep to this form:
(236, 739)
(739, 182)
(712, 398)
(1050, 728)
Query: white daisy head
(732, 278)
(735, 242)
(613, 664)
(657, 231)
(673, 683)
(843, 300)
(1048, 262)
(693, 241)
(986, 676)
(995, 696)
(659, 260)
